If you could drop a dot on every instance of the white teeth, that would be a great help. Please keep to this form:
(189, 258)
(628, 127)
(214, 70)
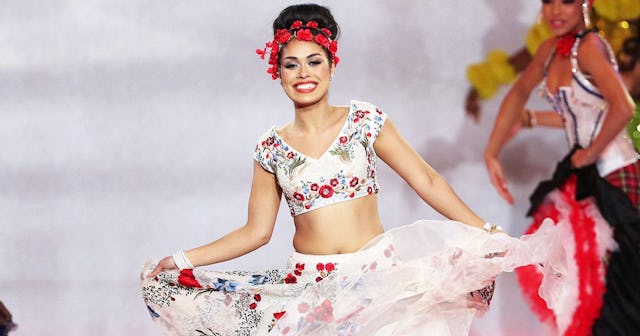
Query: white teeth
(306, 86)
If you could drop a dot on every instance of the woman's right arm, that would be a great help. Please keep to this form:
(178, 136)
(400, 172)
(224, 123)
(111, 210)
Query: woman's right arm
(509, 115)
(264, 203)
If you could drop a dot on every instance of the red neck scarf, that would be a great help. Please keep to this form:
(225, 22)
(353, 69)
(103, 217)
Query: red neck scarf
(565, 43)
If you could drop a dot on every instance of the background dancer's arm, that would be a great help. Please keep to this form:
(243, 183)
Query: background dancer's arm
(264, 203)
(509, 115)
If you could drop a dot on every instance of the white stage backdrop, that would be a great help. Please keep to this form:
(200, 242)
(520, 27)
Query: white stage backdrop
(127, 131)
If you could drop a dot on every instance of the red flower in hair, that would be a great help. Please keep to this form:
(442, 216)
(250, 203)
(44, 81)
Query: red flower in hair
(303, 32)
(333, 47)
(282, 36)
(322, 40)
(304, 35)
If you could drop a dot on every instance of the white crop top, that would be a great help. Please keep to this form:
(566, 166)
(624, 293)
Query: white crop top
(346, 170)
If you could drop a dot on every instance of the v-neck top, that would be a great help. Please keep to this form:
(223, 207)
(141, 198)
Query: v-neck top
(345, 171)
(583, 110)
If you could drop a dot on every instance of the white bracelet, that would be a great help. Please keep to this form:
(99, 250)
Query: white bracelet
(181, 260)
(491, 227)
(532, 118)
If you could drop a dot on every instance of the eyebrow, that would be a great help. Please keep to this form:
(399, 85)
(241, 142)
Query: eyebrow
(295, 58)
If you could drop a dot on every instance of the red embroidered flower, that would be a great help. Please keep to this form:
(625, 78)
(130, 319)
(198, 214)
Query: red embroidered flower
(343, 139)
(318, 279)
(296, 24)
(368, 134)
(324, 312)
(253, 305)
(187, 279)
(325, 191)
(257, 297)
(279, 315)
(314, 187)
(298, 196)
(330, 267)
(304, 35)
(297, 272)
(290, 279)
(290, 155)
(269, 141)
(351, 195)
(320, 267)
(354, 182)
(326, 32)
(370, 190)
(334, 182)
(360, 114)
(300, 266)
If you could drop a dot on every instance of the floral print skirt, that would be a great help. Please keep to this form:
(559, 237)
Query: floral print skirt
(428, 276)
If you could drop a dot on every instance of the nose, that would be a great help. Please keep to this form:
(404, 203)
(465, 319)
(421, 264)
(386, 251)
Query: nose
(555, 7)
(302, 72)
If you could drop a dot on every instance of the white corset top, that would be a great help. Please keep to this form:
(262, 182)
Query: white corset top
(583, 109)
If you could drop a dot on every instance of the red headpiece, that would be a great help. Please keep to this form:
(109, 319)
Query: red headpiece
(307, 32)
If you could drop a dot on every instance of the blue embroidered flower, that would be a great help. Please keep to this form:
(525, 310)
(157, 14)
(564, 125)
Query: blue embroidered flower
(259, 279)
(225, 285)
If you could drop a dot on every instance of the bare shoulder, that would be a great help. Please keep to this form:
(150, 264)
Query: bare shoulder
(545, 49)
(591, 45)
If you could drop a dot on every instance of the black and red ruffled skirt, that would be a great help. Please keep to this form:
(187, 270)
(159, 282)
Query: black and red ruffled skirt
(600, 229)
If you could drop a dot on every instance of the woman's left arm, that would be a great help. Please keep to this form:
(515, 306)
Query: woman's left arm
(593, 59)
(394, 150)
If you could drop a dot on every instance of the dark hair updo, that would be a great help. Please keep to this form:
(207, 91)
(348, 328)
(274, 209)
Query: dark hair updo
(305, 13)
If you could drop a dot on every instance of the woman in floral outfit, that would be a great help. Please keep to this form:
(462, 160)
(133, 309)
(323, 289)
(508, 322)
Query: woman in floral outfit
(347, 276)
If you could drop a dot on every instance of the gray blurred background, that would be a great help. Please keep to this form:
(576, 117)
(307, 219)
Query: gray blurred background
(127, 130)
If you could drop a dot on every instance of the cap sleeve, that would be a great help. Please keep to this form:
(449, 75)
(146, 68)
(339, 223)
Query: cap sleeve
(372, 119)
(263, 153)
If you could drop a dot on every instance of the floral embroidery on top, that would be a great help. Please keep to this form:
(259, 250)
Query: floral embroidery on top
(347, 170)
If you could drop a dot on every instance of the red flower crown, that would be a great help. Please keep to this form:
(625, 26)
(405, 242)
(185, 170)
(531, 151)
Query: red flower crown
(306, 32)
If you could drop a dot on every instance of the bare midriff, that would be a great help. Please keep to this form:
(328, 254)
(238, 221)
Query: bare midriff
(343, 227)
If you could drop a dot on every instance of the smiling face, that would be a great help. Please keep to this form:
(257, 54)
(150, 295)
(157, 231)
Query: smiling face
(563, 16)
(305, 71)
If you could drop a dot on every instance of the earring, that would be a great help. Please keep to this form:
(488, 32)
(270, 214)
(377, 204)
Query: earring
(585, 13)
(331, 77)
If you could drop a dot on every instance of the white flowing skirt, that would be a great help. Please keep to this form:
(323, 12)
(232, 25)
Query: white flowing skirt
(429, 277)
